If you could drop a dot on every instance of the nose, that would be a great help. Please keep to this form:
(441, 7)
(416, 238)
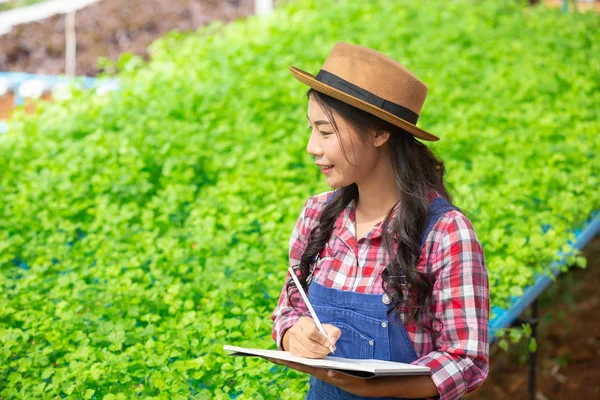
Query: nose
(313, 147)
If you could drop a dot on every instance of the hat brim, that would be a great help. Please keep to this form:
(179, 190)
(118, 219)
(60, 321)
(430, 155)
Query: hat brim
(309, 79)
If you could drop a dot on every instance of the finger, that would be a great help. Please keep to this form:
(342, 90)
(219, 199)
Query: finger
(280, 362)
(339, 378)
(301, 348)
(336, 378)
(333, 332)
(319, 373)
(311, 349)
(298, 367)
(312, 333)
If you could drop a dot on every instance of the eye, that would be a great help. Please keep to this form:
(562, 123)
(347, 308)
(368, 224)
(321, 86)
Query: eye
(321, 132)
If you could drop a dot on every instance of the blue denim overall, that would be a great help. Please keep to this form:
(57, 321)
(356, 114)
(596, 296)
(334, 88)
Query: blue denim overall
(367, 332)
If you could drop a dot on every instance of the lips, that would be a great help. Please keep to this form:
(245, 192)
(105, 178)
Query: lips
(326, 169)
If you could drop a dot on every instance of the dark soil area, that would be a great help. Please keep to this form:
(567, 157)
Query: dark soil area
(576, 6)
(568, 354)
(107, 29)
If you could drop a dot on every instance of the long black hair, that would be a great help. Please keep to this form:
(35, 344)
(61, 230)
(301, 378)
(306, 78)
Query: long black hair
(418, 171)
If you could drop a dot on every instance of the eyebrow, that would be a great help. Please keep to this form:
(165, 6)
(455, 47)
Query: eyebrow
(321, 122)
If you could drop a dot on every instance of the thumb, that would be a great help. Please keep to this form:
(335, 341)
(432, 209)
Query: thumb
(333, 333)
(333, 339)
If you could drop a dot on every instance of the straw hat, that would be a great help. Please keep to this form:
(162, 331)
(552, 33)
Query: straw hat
(373, 82)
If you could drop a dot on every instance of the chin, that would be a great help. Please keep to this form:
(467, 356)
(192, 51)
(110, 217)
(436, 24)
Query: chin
(336, 184)
(332, 185)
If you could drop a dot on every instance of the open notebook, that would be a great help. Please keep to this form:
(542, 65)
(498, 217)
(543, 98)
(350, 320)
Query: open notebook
(365, 369)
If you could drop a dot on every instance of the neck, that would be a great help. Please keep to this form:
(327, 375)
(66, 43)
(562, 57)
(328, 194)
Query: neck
(377, 193)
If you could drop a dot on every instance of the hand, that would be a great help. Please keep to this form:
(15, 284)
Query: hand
(351, 384)
(304, 339)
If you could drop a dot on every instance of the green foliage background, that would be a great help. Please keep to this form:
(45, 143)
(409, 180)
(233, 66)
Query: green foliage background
(142, 230)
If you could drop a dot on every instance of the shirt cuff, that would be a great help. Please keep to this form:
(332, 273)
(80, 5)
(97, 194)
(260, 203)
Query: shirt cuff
(446, 373)
(285, 325)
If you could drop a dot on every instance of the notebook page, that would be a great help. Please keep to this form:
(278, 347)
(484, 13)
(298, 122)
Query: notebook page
(368, 365)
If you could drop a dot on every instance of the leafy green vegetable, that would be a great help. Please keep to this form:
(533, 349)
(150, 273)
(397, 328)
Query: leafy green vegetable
(143, 229)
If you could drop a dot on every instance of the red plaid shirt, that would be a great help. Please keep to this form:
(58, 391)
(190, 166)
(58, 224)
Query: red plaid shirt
(459, 359)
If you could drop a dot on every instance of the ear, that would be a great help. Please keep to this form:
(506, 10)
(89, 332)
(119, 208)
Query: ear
(380, 137)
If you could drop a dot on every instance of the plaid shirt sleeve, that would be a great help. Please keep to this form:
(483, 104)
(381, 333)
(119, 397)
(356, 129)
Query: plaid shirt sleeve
(460, 362)
(285, 316)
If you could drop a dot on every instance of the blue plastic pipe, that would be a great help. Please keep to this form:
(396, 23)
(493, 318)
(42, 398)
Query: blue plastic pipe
(505, 318)
(15, 79)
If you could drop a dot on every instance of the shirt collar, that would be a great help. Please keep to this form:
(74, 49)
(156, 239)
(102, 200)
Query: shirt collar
(344, 225)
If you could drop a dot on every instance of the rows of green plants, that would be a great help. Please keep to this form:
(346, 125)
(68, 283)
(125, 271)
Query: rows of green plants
(143, 229)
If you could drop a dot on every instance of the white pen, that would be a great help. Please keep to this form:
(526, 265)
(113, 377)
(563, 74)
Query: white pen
(312, 312)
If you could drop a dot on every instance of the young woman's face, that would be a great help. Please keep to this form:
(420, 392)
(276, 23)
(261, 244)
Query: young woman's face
(326, 147)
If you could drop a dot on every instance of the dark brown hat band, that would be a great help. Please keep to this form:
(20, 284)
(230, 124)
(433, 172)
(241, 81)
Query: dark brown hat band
(343, 85)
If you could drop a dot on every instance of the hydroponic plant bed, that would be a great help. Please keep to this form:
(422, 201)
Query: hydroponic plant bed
(568, 342)
(41, 88)
(108, 29)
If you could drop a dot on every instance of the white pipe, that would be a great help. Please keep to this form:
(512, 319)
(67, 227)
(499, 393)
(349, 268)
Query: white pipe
(263, 7)
(71, 44)
(4, 86)
(32, 88)
(37, 12)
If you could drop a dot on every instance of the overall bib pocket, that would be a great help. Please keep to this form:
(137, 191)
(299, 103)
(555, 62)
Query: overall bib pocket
(352, 343)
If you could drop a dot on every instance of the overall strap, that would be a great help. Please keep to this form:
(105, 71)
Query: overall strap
(331, 196)
(437, 208)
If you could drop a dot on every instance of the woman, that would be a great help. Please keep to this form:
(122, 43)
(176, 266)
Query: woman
(393, 270)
